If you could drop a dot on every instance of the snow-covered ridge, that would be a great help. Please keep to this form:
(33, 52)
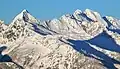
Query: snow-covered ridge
(81, 25)
(26, 16)
(82, 40)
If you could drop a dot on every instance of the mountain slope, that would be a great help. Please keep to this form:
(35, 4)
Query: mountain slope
(82, 40)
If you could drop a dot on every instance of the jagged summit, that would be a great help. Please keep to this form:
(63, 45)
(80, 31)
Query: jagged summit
(87, 15)
(82, 40)
(24, 10)
(88, 22)
(22, 13)
(113, 23)
(90, 14)
(78, 11)
(25, 16)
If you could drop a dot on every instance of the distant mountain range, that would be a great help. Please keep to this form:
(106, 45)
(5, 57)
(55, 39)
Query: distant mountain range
(82, 40)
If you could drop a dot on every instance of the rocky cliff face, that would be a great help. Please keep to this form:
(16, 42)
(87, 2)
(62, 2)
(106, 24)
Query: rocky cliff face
(82, 40)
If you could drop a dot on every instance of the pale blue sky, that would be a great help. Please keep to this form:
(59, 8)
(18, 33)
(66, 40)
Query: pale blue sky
(49, 9)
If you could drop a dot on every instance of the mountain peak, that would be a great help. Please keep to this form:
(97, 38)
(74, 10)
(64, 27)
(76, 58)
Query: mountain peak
(91, 14)
(24, 10)
(25, 16)
(84, 34)
(77, 11)
(88, 10)
(21, 15)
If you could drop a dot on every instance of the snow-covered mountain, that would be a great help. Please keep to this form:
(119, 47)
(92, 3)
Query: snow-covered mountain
(82, 40)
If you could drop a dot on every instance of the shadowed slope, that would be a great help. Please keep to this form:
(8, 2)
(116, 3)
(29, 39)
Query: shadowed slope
(105, 41)
(86, 49)
(7, 58)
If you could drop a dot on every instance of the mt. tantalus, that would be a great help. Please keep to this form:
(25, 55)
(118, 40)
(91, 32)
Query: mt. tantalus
(82, 40)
